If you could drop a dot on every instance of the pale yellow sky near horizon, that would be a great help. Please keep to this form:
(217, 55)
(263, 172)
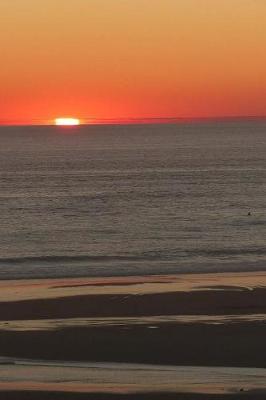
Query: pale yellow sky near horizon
(132, 58)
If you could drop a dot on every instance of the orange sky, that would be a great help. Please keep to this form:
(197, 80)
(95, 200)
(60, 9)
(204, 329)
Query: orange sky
(131, 58)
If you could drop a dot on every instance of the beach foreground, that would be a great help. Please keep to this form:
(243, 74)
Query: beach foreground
(147, 335)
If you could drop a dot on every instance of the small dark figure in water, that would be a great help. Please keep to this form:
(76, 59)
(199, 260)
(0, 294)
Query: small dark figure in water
(249, 213)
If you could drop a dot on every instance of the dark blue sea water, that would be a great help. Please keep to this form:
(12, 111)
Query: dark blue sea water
(123, 200)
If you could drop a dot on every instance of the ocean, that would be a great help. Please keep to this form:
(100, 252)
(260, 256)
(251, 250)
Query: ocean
(132, 199)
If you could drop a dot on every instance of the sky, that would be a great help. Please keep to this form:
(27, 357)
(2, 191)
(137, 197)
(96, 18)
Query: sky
(124, 59)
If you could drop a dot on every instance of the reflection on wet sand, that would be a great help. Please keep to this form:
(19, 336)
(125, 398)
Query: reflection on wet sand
(53, 288)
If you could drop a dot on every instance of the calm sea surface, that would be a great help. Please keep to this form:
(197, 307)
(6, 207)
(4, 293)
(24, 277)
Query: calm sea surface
(124, 200)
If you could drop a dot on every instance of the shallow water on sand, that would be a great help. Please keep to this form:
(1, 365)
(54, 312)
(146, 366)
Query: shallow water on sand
(154, 322)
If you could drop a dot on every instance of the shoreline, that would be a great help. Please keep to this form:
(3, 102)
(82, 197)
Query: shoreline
(166, 320)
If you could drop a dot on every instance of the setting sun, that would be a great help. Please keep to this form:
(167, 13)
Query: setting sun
(67, 121)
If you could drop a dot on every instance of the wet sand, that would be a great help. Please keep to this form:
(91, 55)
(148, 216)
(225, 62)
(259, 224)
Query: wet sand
(200, 342)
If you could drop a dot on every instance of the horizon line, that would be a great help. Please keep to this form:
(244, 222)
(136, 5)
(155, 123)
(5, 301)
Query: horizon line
(134, 121)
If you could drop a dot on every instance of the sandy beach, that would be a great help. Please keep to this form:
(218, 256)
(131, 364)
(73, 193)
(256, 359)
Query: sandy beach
(180, 321)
